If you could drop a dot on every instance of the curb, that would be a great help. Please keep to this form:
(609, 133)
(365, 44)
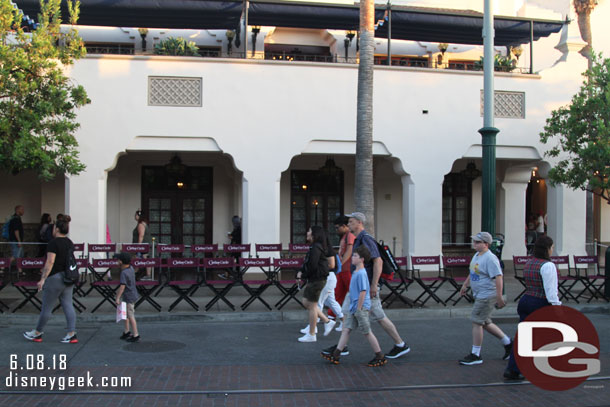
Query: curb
(506, 314)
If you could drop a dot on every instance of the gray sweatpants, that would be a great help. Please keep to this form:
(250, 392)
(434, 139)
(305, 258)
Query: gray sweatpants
(53, 289)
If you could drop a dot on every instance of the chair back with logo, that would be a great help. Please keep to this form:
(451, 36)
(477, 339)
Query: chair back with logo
(430, 282)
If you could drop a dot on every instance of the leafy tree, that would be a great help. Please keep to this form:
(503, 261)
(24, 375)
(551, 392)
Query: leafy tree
(37, 100)
(177, 46)
(582, 130)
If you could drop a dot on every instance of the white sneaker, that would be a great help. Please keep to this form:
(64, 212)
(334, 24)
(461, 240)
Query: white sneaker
(340, 327)
(328, 327)
(307, 338)
(306, 330)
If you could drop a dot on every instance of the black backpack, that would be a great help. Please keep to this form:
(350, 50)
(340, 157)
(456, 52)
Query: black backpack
(389, 263)
(71, 274)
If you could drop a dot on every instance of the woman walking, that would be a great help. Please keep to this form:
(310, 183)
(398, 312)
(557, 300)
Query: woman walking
(141, 235)
(540, 276)
(52, 284)
(315, 271)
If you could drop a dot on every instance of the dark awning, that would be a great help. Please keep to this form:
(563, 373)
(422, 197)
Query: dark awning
(462, 28)
(408, 23)
(193, 14)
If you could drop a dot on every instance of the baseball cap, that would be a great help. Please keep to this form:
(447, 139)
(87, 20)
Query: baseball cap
(123, 257)
(482, 237)
(357, 215)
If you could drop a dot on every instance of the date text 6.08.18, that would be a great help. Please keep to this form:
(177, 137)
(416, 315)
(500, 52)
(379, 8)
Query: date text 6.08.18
(39, 362)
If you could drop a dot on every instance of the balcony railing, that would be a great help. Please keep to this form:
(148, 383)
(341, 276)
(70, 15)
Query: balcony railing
(292, 57)
(115, 50)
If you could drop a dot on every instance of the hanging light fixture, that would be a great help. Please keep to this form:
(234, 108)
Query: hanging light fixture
(176, 172)
(471, 172)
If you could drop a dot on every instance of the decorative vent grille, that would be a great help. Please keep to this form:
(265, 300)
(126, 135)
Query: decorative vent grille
(174, 91)
(508, 104)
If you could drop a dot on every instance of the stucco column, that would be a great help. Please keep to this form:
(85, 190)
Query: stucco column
(427, 198)
(514, 187)
(261, 207)
(408, 215)
(86, 204)
(566, 219)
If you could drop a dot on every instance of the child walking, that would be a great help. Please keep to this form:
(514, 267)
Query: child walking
(358, 317)
(128, 293)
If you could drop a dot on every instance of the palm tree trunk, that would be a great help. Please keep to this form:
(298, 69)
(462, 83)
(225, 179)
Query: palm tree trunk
(584, 26)
(364, 191)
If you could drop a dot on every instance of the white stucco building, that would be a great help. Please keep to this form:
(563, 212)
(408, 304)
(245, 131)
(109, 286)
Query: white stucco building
(254, 137)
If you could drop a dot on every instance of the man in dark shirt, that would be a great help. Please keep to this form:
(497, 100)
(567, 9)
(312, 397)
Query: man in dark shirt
(15, 234)
(373, 270)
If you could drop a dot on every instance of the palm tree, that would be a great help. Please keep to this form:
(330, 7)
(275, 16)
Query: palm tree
(363, 191)
(583, 9)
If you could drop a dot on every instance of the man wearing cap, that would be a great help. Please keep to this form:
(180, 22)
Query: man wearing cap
(485, 279)
(373, 270)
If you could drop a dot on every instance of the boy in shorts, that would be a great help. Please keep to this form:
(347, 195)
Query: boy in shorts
(358, 316)
(128, 293)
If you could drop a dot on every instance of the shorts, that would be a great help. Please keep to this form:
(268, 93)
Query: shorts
(482, 309)
(17, 252)
(131, 310)
(313, 290)
(377, 313)
(359, 319)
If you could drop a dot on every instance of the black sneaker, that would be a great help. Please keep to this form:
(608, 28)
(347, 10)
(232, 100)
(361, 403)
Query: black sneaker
(471, 359)
(329, 351)
(126, 335)
(513, 376)
(398, 351)
(133, 339)
(507, 349)
(377, 362)
(330, 358)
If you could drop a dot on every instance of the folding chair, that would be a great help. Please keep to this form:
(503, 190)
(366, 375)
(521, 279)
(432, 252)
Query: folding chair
(235, 251)
(430, 285)
(164, 274)
(518, 264)
(107, 289)
(137, 250)
(184, 287)
(398, 285)
(565, 282)
(81, 264)
(254, 287)
(289, 288)
(594, 283)
(28, 286)
(4, 263)
(220, 288)
(453, 265)
(147, 288)
(96, 276)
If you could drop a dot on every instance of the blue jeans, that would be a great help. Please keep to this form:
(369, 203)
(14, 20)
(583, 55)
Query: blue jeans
(527, 305)
(16, 251)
